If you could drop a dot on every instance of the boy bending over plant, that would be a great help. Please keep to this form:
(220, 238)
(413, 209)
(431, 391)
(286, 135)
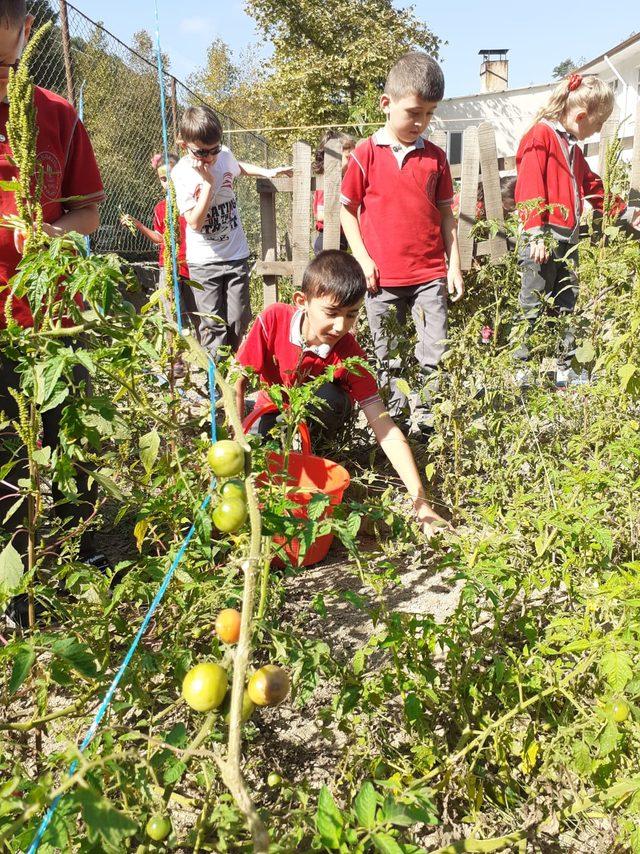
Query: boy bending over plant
(292, 344)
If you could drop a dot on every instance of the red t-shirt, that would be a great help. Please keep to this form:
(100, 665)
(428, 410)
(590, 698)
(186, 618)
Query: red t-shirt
(399, 217)
(70, 169)
(159, 222)
(270, 348)
(318, 209)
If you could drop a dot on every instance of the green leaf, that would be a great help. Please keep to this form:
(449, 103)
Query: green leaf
(585, 353)
(174, 772)
(365, 806)
(403, 387)
(385, 844)
(398, 814)
(413, 708)
(149, 447)
(626, 373)
(328, 820)
(76, 655)
(582, 758)
(616, 668)
(109, 485)
(11, 569)
(317, 506)
(358, 662)
(103, 820)
(22, 664)
(609, 738)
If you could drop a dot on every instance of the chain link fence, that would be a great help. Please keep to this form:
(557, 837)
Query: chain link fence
(116, 90)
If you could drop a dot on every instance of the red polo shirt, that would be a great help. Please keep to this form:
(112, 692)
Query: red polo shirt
(66, 156)
(271, 348)
(397, 194)
(159, 224)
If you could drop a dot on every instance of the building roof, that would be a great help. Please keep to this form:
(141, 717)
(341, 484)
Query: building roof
(614, 50)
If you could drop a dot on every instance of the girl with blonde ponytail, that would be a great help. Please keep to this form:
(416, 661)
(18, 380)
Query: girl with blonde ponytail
(554, 179)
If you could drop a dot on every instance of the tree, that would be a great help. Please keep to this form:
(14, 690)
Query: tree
(566, 67)
(328, 56)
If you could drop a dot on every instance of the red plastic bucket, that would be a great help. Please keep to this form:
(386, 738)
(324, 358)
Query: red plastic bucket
(307, 475)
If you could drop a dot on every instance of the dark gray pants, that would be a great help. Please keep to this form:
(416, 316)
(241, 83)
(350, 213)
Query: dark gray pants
(325, 420)
(187, 299)
(556, 280)
(428, 306)
(12, 450)
(225, 295)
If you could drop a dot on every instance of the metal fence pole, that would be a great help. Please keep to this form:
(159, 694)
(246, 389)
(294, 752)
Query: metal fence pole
(66, 50)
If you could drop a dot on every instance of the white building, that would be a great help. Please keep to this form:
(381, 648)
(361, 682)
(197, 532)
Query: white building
(510, 111)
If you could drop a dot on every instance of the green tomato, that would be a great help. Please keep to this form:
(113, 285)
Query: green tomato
(158, 827)
(230, 515)
(204, 686)
(274, 780)
(248, 708)
(234, 489)
(226, 458)
(618, 710)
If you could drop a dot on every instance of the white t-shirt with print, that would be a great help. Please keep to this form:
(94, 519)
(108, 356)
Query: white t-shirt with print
(222, 237)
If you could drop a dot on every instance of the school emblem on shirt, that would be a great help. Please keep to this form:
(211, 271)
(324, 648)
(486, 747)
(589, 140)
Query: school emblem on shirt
(51, 175)
(432, 183)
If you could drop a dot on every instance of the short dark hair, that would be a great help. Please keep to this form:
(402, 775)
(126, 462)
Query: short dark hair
(346, 141)
(335, 274)
(200, 124)
(14, 12)
(415, 73)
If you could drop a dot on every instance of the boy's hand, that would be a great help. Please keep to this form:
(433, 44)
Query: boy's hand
(19, 238)
(455, 284)
(282, 170)
(205, 173)
(371, 274)
(430, 521)
(539, 252)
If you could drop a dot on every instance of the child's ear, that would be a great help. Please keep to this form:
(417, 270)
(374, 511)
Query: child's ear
(385, 100)
(581, 116)
(299, 300)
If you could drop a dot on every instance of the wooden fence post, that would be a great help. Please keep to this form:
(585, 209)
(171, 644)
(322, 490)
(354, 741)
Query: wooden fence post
(269, 231)
(66, 50)
(332, 181)
(608, 132)
(301, 229)
(634, 188)
(468, 194)
(491, 185)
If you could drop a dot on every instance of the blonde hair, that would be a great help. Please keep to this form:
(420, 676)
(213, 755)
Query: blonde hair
(587, 91)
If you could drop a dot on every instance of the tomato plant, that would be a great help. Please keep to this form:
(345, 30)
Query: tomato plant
(226, 458)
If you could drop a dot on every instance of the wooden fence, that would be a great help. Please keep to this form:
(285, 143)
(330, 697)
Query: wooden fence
(480, 163)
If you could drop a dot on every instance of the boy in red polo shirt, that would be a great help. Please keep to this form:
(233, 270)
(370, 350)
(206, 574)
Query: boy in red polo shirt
(291, 343)
(70, 171)
(397, 217)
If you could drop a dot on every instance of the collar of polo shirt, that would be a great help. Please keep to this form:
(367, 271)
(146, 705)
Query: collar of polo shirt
(295, 337)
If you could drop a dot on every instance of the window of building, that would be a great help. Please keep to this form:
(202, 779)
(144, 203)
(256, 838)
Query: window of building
(455, 147)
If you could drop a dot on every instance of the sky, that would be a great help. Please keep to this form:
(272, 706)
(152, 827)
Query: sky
(538, 36)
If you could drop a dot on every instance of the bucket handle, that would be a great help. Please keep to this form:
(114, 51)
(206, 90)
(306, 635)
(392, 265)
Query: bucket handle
(259, 411)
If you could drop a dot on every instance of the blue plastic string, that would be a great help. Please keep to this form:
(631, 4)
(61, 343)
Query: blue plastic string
(212, 398)
(165, 145)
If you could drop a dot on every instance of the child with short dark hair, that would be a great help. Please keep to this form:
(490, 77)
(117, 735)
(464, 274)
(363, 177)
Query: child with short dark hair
(217, 248)
(347, 143)
(554, 179)
(289, 344)
(397, 216)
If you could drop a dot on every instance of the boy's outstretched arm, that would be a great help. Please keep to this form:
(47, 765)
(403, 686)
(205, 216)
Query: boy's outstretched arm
(394, 443)
(449, 229)
(252, 170)
(84, 220)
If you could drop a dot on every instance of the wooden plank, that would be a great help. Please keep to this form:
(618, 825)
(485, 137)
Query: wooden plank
(608, 132)
(269, 232)
(284, 184)
(468, 194)
(332, 181)
(439, 137)
(491, 185)
(634, 187)
(301, 214)
(274, 268)
(483, 247)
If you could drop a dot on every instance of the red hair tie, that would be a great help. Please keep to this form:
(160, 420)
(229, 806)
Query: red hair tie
(574, 82)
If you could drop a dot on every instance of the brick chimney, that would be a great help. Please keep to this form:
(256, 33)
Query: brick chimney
(494, 70)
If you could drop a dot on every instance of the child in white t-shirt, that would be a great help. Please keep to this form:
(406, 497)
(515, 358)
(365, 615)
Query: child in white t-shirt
(217, 248)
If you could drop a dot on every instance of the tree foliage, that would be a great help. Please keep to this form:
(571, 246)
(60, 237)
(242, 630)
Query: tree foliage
(565, 67)
(327, 56)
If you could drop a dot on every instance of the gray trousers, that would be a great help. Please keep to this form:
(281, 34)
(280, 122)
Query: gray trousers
(428, 306)
(224, 304)
(187, 299)
(325, 420)
(556, 280)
